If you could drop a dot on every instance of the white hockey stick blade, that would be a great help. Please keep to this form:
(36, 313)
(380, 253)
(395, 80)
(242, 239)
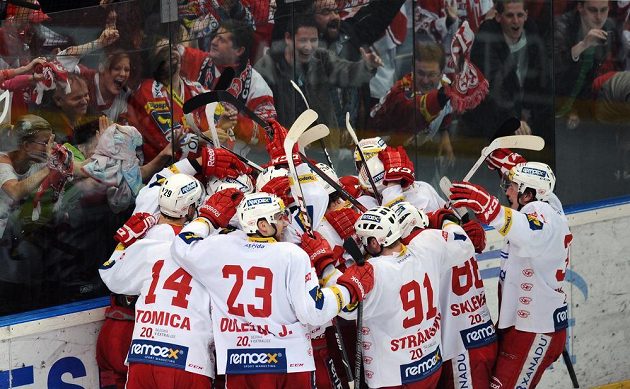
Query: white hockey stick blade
(445, 187)
(297, 88)
(313, 134)
(528, 142)
(353, 134)
(300, 125)
(209, 110)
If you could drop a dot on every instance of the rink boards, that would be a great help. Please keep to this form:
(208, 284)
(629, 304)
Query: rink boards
(55, 347)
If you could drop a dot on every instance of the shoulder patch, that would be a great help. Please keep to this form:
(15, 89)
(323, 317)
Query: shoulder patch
(459, 236)
(534, 222)
(107, 264)
(318, 296)
(189, 237)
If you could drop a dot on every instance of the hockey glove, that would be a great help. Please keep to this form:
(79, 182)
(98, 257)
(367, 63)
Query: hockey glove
(342, 220)
(477, 235)
(281, 188)
(397, 165)
(437, 218)
(221, 163)
(135, 228)
(318, 251)
(275, 146)
(221, 207)
(351, 185)
(485, 206)
(504, 160)
(359, 280)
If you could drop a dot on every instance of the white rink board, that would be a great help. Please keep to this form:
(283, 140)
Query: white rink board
(62, 348)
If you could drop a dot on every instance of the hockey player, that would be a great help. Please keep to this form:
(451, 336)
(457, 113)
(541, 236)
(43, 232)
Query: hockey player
(532, 307)
(394, 175)
(469, 341)
(264, 292)
(172, 338)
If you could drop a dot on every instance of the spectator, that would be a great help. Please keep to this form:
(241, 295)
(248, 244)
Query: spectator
(107, 85)
(149, 108)
(316, 70)
(231, 47)
(416, 104)
(22, 170)
(68, 109)
(510, 52)
(344, 38)
(584, 40)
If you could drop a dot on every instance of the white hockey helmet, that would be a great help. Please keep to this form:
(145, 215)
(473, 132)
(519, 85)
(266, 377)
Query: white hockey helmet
(178, 193)
(380, 223)
(268, 174)
(409, 217)
(330, 172)
(260, 205)
(535, 175)
(370, 147)
(243, 183)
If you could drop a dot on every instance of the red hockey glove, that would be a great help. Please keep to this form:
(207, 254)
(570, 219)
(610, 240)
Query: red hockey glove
(275, 146)
(477, 235)
(135, 228)
(437, 218)
(359, 280)
(398, 166)
(485, 206)
(503, 160)
(221, 163)
(351, 185)
(469, 87)
(221, 207)
(281, 188)
(318, 251)
(342, 220)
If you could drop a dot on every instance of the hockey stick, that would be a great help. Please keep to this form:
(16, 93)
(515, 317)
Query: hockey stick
(300, 125)
(311, 135)
(342, 192)
(569, 364)
(321, 142)
(224, 96)
(353, 135)
(351, 248)
(528, 142)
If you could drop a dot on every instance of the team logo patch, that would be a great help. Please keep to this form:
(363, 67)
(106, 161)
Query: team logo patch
(560, 318)
(189, 237)
(163, 120)
(259, 360)
(421, 369)
(318, 296)
(534, 222)
(159, 180)
(108, 264)
(478, 336)
(158, 353)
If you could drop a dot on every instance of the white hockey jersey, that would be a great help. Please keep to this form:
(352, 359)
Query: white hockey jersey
(422, 195)
(466, 321)
(533, 266)
(172, 324)
(263, 293)
(402, 322)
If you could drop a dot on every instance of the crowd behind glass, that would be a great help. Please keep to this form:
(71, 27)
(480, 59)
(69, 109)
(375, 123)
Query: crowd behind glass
(69, 177)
